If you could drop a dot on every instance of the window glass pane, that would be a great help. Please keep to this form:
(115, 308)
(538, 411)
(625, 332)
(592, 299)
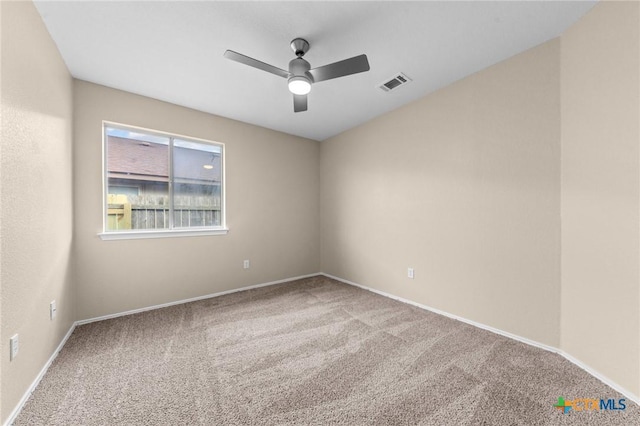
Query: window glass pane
(137, 180)
(197, 171)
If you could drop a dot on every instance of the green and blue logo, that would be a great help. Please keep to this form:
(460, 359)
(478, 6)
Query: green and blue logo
(590, 404)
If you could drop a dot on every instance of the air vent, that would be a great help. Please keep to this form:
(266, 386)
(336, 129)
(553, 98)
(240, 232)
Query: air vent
(394, 82)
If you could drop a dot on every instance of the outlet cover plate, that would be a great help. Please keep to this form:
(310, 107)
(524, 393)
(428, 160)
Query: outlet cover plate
(52, 309)
(13, 347)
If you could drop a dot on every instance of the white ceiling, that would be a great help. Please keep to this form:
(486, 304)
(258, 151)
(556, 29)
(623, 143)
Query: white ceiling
(172, 51)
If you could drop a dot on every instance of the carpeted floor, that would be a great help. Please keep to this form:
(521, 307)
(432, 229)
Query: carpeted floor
(313, 351)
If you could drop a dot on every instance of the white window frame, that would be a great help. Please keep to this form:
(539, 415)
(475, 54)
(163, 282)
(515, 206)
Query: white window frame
(161, 233)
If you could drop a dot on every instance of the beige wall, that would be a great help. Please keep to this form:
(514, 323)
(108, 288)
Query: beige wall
(272, 184)
(35, 198)
(464, 186)
(601, 192)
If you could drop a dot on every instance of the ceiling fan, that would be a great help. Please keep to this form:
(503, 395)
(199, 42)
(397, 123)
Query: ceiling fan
(300, 75)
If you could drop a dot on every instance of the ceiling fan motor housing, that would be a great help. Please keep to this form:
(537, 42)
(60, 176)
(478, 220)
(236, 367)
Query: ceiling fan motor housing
(300, 79)
(300, 67)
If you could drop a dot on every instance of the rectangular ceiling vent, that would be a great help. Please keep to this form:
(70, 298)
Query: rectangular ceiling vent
(400, 79)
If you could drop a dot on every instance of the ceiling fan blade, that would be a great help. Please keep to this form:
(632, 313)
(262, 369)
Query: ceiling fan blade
(238, 57)
(299, 103)
(340, 69)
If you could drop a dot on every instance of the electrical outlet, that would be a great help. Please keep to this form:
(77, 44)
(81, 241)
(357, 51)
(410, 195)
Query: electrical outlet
(13, 347)
(246, 264)
(410, 273)
(52, 309)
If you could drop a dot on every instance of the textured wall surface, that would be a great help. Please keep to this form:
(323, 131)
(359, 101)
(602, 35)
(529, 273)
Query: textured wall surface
(463, 186)
(272, 186)
(36, 209)
(514, 193)
(601, 191)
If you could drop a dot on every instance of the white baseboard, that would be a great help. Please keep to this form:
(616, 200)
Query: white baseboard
(447, 314)
(34, 384)
(604, 379)
(192, 299)
(530, 342)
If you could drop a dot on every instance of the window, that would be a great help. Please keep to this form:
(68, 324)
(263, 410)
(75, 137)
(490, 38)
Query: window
(157, 184)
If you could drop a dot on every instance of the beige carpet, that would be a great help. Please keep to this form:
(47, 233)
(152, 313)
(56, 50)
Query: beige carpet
(313, 351)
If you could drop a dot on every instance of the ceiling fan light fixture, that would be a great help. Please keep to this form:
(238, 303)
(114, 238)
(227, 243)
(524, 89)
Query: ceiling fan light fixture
(300, 75)
(299, 85)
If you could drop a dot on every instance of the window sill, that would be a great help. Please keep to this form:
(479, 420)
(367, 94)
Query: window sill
(137, 235)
